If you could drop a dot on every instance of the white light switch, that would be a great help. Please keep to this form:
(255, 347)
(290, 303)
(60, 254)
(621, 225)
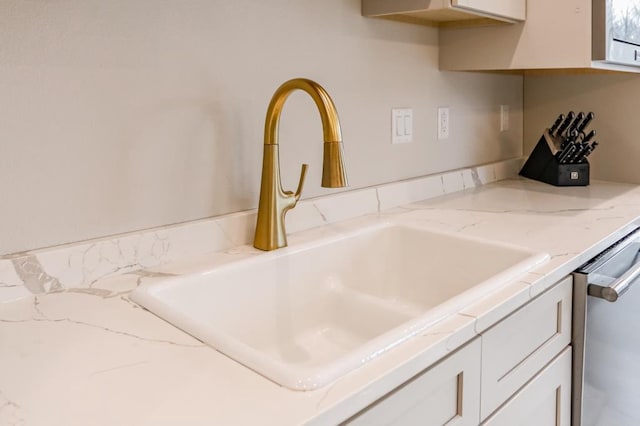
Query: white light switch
(401, 125)
(408, 124)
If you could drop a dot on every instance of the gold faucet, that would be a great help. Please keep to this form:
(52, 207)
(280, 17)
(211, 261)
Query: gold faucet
(274, 201)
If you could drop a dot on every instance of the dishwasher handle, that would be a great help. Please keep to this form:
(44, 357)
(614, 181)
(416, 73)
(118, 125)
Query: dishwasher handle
(617, 288)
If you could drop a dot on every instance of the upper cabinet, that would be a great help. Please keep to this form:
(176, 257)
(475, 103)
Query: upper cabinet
(436, 12)
(567, 35)
(557, 35)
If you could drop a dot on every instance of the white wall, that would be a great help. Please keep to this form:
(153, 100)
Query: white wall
(614, 100)
(128, 114)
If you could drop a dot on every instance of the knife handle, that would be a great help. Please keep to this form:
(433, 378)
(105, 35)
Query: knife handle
(565, 123)
(576, 122)
(567, 153)
(556, 123)
(586, 122)
(587, 152)
(577, 156)
(572, 135)
(569, 139)
(564, 147)
(589, 136)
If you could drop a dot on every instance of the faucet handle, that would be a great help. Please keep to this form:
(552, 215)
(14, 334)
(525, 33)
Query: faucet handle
(303, 174)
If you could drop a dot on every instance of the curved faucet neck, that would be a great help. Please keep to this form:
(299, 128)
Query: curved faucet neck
(328, 113)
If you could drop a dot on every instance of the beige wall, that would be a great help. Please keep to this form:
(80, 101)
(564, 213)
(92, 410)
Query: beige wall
(614, 100)
(128, 114)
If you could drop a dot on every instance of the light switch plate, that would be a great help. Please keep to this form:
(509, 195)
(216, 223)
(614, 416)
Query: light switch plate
(401, 125)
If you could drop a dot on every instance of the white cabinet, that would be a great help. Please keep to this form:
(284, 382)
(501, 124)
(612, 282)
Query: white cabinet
(515, 349)
(567, 35)
(517, 372)
(446, 394)
(545, 401)
(432, 12)
(557, 35)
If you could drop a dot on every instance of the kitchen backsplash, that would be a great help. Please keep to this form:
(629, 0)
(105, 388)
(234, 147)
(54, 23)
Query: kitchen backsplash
(81, 265)
(119, 116)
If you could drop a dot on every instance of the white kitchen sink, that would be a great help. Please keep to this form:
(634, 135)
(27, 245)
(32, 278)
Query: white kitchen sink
(307, 314)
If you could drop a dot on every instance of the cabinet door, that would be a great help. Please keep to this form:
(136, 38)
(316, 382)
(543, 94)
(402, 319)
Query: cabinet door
(445, 394)
(545, 401)
(514, 350)
(510, 9)
(556, 34)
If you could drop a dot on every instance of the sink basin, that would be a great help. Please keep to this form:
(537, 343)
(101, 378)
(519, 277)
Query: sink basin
(305, 315)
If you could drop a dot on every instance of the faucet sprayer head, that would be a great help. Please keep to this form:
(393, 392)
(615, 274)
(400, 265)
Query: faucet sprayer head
(334, 174)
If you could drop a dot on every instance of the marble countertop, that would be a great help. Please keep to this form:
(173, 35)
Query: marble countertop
(91, 356)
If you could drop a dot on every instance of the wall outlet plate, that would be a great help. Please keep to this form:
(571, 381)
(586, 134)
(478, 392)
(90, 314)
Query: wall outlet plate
(443, 123)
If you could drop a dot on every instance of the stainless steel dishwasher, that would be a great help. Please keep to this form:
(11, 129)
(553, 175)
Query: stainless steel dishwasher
(606, 337)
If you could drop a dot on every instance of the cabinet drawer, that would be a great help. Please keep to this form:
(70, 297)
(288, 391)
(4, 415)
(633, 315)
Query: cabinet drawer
(545, 401)
(445, 394)
(517, 348)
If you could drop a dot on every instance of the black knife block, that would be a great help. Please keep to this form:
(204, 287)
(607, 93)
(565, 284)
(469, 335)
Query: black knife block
(542, 165)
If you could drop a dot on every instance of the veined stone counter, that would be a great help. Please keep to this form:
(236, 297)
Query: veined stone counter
(80, 352)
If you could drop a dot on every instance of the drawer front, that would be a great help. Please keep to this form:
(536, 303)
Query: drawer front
(516, 349)
(445, 394)
(545, 401)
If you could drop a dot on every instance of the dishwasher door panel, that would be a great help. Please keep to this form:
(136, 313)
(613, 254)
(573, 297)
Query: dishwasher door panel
(611, 393)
